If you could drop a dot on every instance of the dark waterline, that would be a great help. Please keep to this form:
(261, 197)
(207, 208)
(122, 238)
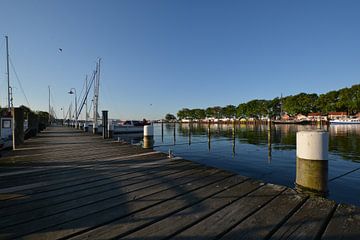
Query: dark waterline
(256, 152)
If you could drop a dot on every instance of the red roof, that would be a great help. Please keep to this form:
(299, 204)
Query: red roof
(337, 113)
(314, 114)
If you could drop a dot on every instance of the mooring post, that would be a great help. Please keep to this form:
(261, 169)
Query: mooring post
(318, 123)
(148, 136)
(174, 133)
(162, 131)
(312, 160)
(18, 125)
(110, 129)
(86, 126)
(105, 124)
(269, 139)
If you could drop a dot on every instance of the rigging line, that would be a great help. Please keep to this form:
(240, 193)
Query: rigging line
(52, 99)
(81, 99)
(85, 97)
(17, 78)
(82, 90)
(67, 113)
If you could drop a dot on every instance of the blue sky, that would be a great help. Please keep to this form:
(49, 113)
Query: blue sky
(160, 56)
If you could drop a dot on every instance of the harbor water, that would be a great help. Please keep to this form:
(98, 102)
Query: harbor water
(260, 152)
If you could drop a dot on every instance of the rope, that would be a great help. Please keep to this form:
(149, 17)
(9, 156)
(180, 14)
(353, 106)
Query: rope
(17, 78)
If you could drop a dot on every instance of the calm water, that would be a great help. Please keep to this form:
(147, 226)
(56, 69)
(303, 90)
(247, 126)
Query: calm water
(270, 156)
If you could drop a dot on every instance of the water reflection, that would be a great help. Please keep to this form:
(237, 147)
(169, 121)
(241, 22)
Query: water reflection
(132, 138)
(344, 139)
(265, 152)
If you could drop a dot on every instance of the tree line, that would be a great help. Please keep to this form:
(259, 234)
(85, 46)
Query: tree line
(343, 100)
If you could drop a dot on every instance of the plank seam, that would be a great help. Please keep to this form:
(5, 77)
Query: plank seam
(219, 236)
(326, 222)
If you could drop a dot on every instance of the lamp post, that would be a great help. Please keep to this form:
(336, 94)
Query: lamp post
(76, 113)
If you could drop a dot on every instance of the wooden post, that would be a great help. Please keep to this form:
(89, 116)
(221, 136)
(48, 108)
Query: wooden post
(162, 131)
(110, 130)
(174, 133)
(209, 137)
(105, 123)
(312, 160)
(18, 125)
(189, 133)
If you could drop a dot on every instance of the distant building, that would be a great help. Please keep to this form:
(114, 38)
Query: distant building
(315, 116)
(337, 115)
(301, 117)
(286, 117)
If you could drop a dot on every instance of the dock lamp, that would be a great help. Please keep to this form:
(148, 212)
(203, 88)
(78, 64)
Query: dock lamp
(73, 91)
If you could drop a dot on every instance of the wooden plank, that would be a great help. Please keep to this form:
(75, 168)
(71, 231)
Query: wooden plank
(68, 181)
(73, 190)
(87, 216)
(308, 222)
(263, 223)
(163, 221)
(28, 213)
(219, 222)
(94, 188)
(344, 224)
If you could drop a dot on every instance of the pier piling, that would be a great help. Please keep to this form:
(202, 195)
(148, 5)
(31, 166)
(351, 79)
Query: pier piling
(18, 117)
(312, 160)
(105, 124)
(148, 136)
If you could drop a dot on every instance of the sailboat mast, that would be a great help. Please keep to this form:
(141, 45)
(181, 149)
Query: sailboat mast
(49, 106)
(8, 72)
(96, 93)
(86, 101)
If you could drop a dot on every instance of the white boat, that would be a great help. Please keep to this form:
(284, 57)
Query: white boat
(129, 126)
(345, 121)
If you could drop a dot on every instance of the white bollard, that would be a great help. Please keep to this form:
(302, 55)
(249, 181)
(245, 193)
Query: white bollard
(95, 128)
(148, 131)
(148, 136)
(110, 129)
(312, 160)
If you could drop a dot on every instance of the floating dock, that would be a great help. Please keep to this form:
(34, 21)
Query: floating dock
(66, 184)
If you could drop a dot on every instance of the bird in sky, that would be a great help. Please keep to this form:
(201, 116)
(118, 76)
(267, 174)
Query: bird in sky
(60, 49)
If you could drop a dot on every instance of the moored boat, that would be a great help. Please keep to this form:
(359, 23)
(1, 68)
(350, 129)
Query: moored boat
(291, 121)
(345, 121)
(129, 126)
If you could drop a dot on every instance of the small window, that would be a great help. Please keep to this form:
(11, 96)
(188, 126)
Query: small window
(6, 123)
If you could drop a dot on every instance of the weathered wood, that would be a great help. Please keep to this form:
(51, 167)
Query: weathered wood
(308, 222)
(65, 183)
(88, 216)
(228, 217)
(25, 214)
(263, 223)
(344, 224)
(68, 184)
(178, 221)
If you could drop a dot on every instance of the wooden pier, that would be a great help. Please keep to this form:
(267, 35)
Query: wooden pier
(65, 184)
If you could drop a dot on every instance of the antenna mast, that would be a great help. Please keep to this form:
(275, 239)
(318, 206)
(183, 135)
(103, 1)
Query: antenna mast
(8, 72)
(49, 107)
(96, 93)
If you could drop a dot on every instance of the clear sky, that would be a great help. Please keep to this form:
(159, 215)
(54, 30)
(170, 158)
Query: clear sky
(160, 56)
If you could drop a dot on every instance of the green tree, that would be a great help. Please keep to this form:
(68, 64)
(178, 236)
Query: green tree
(241, 110)
(183, 113)
(229, 111)
(327, 102)
(301, 103)
(170, 117)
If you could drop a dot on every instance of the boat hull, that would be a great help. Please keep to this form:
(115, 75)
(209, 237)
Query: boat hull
(128, 129)
(343, 123)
